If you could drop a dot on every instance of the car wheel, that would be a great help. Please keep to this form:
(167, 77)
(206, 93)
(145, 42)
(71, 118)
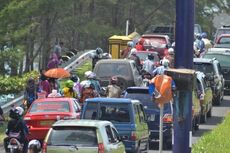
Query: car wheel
(217, 100)
(203, 118)
(209, 114)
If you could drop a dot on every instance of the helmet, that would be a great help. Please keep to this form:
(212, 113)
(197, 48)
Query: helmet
(92, 75)
(198, 36)
(113, 80)
(133, 50)
(74, 78)
(130, 44)
(87, 73)
(99, 50)
(204, 35)
(35, 145)
(171, 51)
(165, 62)
(87, 84)
(69, 84)
(150, 57)
(19, 110)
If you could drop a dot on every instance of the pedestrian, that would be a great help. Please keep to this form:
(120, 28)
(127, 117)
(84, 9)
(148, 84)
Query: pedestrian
(34, 146)
(148, 64)
(76, 85)
(58, 49)
(53, 61)
(68, 89)
(97, 56)
(113, 90)
(44, 85)
(125, 52)
(30, 93)
(199, 43)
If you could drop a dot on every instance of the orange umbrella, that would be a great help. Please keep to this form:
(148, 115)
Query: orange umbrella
(57, 73)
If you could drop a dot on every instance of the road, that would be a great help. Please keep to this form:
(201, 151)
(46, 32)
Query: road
(217, 115)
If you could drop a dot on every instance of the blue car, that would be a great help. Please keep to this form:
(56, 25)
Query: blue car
(126, 115)
(152, 112)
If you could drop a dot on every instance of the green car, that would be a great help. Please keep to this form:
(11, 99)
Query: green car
(83, 136)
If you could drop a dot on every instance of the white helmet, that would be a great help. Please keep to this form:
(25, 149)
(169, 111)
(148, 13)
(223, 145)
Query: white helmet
(92, 75)
(165, 62)
(34, 145)
(20, 110)
(171, 51)
(87, 73)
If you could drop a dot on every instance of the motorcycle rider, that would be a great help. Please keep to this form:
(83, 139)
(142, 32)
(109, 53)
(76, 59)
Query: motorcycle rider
(34, 146)
(16, 128)
(148, 65)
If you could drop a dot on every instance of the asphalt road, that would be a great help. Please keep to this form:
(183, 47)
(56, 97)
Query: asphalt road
(217, 115)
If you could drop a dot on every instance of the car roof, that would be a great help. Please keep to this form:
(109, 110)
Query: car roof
(224, 35)
(153, 35)
(82, 122)
(115, 61)
(218, 51)
(202, 60)
(111, 100)
(53, 99)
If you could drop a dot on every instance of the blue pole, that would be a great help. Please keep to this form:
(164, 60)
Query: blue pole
(184, 59)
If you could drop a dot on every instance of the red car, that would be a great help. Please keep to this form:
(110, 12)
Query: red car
(158, 43)
(44, 112)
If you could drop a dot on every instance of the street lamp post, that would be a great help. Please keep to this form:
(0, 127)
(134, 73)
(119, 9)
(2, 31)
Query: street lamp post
(184, 59)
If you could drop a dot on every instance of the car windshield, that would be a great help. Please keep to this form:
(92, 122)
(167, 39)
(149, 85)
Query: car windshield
(50, 106)
(146, 100)
(224, 40)
(112, 69)
(114, 112)
(224, 59)
(143, 56)
(204, 67)
(73, 135)
(222, 31)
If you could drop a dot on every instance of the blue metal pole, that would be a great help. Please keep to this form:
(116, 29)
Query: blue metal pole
(184, 59)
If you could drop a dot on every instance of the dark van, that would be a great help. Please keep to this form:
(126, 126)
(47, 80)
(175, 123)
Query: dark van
(127, 116)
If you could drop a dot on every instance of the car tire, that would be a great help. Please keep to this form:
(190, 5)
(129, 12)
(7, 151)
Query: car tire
(217, 100)
(203, 118)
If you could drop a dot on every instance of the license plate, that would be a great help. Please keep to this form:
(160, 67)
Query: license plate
(43, 123)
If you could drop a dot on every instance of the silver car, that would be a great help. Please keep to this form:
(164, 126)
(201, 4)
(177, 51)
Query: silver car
(83, 136)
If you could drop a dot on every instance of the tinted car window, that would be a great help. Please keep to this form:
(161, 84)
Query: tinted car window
(79, 136)
(223, 59)
(204, 67)
(91, 112)
(114, 112)
(111, 69)
(59, 106)
(224, 40)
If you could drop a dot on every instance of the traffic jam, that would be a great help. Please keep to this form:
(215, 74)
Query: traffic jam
(118, 106)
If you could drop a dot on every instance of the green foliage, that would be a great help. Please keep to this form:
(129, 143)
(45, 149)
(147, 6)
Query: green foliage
(15, 84)
(215, 141)
(87, 66)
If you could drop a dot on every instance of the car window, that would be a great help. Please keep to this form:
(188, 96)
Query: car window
(110, 134)
(222, 58)
(141, 113)
(114, 112)
(76, 106)
(203, 67)
(115, 134)
(224, 40)
(219, 68)
(91, 111)
(50, 106)
(112, 69)
(79, 136)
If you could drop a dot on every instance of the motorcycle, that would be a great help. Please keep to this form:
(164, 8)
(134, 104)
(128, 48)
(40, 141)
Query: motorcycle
(15, 146)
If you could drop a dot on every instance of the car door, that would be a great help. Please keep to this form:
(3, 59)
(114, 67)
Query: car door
(114, 145)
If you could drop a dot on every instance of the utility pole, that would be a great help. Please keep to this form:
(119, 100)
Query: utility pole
(184, 59)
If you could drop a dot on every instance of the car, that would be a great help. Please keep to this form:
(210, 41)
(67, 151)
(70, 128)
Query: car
(45, 111)
(127, 116)
(223, 41)
(212, 70)
(205, 94)
(223, 56)
(143, 55)
(153, 115)
(125, 70)
(83, 136)
(222, 30)
(158, 43)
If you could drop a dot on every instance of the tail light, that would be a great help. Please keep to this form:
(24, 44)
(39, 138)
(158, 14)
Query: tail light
(101, 148)
(133, 136)
(167, 118)
(44, 147)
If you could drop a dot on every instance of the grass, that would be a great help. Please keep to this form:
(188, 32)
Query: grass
(217, 140)
(2, 131)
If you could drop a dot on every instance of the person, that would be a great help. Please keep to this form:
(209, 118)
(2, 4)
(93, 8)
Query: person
(92, 78)
(16, 128)
(44, 85)
(199, 43)
(148, 64)
(87, 91)
(207, 42)
(113, 90)
(97, 56)
(53, 61)
(2, 118)
(136, 59)
(140, 45)
(170, 57)
(76, 85)
(68, 89)
(34, 146)
(54, 93)
(161, 69)
(30, 93)
(58, 49)
(125, 52)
